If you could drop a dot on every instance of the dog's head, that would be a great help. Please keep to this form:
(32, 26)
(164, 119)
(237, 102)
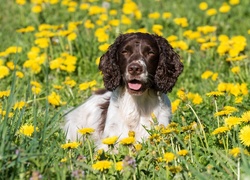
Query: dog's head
(140, 61)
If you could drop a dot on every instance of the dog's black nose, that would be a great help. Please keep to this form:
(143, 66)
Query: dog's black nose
(135, 69)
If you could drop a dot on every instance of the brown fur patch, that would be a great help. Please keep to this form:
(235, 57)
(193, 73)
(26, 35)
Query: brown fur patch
(100, 91)
(104, 107)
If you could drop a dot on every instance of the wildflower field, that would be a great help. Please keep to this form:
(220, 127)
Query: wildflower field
(49, 55)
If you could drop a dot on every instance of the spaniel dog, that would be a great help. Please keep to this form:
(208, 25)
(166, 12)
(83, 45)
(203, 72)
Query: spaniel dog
(138, 70)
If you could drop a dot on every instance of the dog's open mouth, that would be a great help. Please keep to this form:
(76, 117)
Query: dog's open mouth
(135, 85)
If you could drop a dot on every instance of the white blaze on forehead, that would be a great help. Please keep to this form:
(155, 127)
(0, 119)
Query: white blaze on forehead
(136, 85)
(139, 46)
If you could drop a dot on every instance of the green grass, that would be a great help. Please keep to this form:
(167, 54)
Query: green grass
(40, 155)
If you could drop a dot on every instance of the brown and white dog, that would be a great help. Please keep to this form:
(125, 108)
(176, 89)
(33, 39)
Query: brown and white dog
(138, 69)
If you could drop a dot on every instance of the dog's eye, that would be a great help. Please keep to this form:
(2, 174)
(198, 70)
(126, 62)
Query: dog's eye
(124, 52)
(151, 52)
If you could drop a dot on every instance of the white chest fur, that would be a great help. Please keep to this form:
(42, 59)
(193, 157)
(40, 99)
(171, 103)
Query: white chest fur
(133, 113)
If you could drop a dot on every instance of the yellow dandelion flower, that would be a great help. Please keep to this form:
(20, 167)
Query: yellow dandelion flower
(54, 99)
(215, 93)
(175, 104)
(35, 83)
(19, 105)
(21, 2)
(138, 14)
(125, 20)
(172, 38)
(234, 2)
(70, 82)
(110, 140)
(113, 12)
(10, 65)
(243, 89)
(157, 29)
(169, 156)
(53, 1)
(102, 165)
(197, 99)
(57, 87)
(84, 6)
(245, 117)
(224, 8)
(138, 147)
(84, 86)
(13, 49)
(214, 77)
(72, 36)
(4, 71)
(36, 9)
(36, 90)
(119, 166)
(238, 100)
(181, 94)
(211, 12)
(235, 69)
(3, 113)
(235, 90)
(222, 87)
(86, 131)
(88, 24)
(206, 74)
(25, 30)
(235, 152)
(27, 130)
(129, 7)
(19, 74)
(166, 15)
(127, 140)
(96, 10)
(203, 6)
(104, 47)
(232, 121)
(64, 160)
(244, 135)
(114, 22)
(182, 152)
(183, 22)
(4, 93)
(154, 15)
(227, 110)
(70, 145)
(92, 83)
(42, 42)
(220, 130)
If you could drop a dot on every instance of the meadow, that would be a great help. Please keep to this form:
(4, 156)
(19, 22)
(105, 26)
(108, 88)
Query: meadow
(49, 55)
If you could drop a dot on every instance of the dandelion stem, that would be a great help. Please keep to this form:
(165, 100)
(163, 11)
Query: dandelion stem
(238, 169)
(216, 109)
(191, 152)
(36, 99)
(70, 47)
(90, 151)
(198, 119)
(70, 160)
(103, 176)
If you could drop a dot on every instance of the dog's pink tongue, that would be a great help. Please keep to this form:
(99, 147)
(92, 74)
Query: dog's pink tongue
(134, 86)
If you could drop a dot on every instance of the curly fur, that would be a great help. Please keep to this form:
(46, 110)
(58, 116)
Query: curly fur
(168, 70)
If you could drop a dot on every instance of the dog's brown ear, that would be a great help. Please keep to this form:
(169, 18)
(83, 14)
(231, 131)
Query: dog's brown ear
(169, 66)
(109, 66)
